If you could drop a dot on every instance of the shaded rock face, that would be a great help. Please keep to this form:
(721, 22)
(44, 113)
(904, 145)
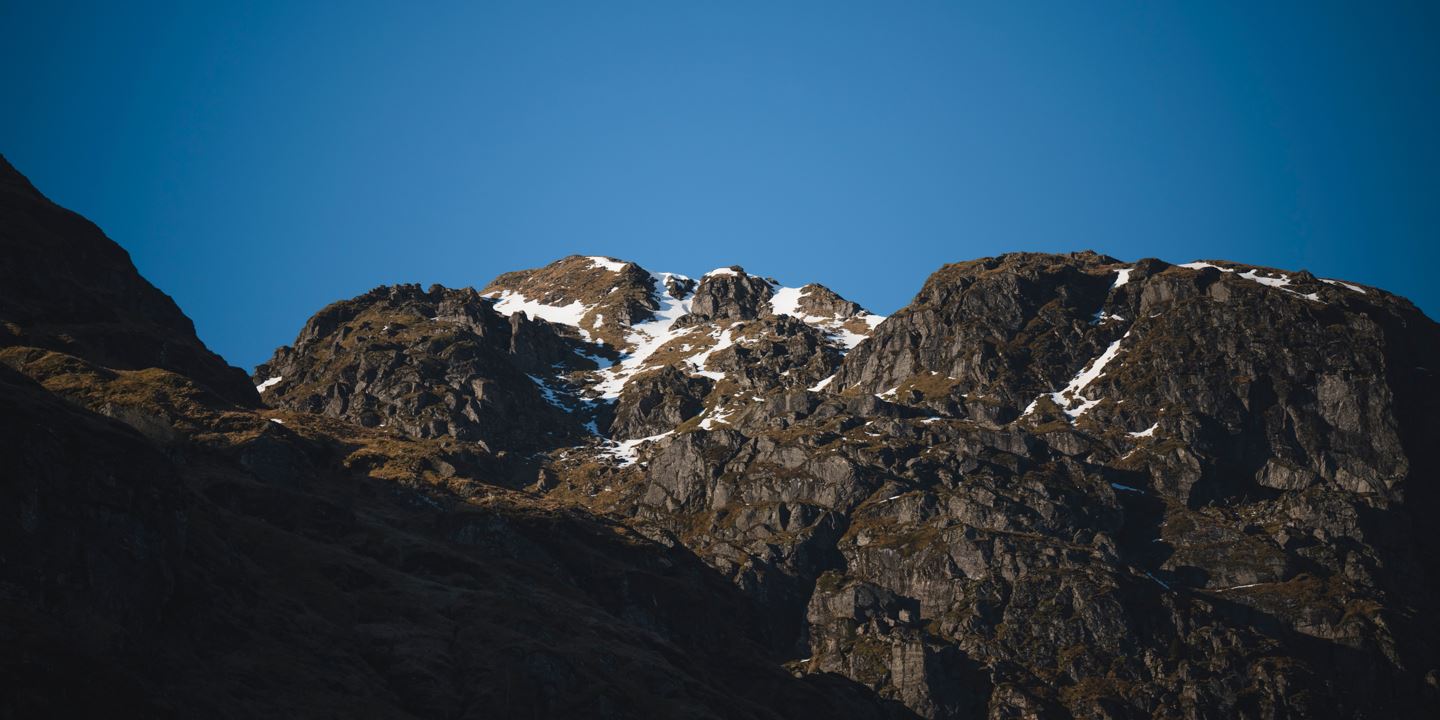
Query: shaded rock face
(1051, 486)
(436, 363)
(657, 402)
(1070, 486)
(68, 287)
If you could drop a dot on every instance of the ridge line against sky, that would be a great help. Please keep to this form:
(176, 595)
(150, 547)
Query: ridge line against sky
(262, 161)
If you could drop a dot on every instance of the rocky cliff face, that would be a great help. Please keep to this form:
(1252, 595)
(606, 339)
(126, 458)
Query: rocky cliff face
(1050, 486)
(437, 363)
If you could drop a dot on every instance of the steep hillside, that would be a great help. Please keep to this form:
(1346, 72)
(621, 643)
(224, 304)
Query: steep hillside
(168, 550)
(67, 287)
(1051, 486)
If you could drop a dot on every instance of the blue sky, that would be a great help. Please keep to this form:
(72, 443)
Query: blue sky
(264, 159)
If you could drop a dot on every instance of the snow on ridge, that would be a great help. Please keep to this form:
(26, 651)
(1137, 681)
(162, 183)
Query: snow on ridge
(1254, 275)
(1351, 286)
(262, 387)
(786, 301)
(1121, 278)
(721, 271)
(606, 263)
(510, 302)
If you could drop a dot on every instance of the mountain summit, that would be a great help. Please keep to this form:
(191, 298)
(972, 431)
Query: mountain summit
(1049, 486)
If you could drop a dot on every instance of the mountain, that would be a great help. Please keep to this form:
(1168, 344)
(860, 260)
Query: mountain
(1050, 486)
(71, 289)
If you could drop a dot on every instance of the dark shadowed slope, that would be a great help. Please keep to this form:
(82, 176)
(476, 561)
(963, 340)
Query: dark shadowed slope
(69, 288)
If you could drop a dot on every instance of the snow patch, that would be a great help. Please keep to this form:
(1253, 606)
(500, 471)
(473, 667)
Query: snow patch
(718, 416)
(1342, 283)
(698, 361)
(817, 387)
(1147, 432)
(628, 451)
(646, 337)
(1126, 488)
(1254, 275)
(722, 271)
(510, 302)
(606, 263)
(847, 338)
(1101, 316)
(1082, 380)
(1121, 277)
(549, 393)
(262, 387)
(786, 301)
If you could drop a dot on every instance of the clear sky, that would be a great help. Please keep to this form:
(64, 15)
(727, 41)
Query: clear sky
(262, 159)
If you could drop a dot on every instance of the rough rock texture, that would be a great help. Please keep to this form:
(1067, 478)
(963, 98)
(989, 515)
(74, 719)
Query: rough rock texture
(431, 363)
(820, 301)
(1051, 486)
(732, 295)
(178, 555)
(658, 401)
(615, 294)
(1086, 488)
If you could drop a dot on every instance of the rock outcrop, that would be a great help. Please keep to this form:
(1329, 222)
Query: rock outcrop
(436, 363)
(1050, 486)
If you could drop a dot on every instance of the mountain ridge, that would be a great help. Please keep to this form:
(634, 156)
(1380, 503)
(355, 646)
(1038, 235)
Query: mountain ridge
(1050, 486)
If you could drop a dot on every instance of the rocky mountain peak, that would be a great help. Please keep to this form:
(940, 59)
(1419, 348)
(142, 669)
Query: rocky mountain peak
(730, 293)
(1050, 486)
(433, 363)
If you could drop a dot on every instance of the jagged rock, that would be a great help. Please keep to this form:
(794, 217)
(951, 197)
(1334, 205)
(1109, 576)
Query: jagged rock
(1051, 486)
(657, 402)
(820, 301)
(732, 294)
(436, 363)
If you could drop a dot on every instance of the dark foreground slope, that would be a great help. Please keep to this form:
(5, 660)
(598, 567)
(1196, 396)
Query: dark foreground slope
(69, 288)
(168, 551)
